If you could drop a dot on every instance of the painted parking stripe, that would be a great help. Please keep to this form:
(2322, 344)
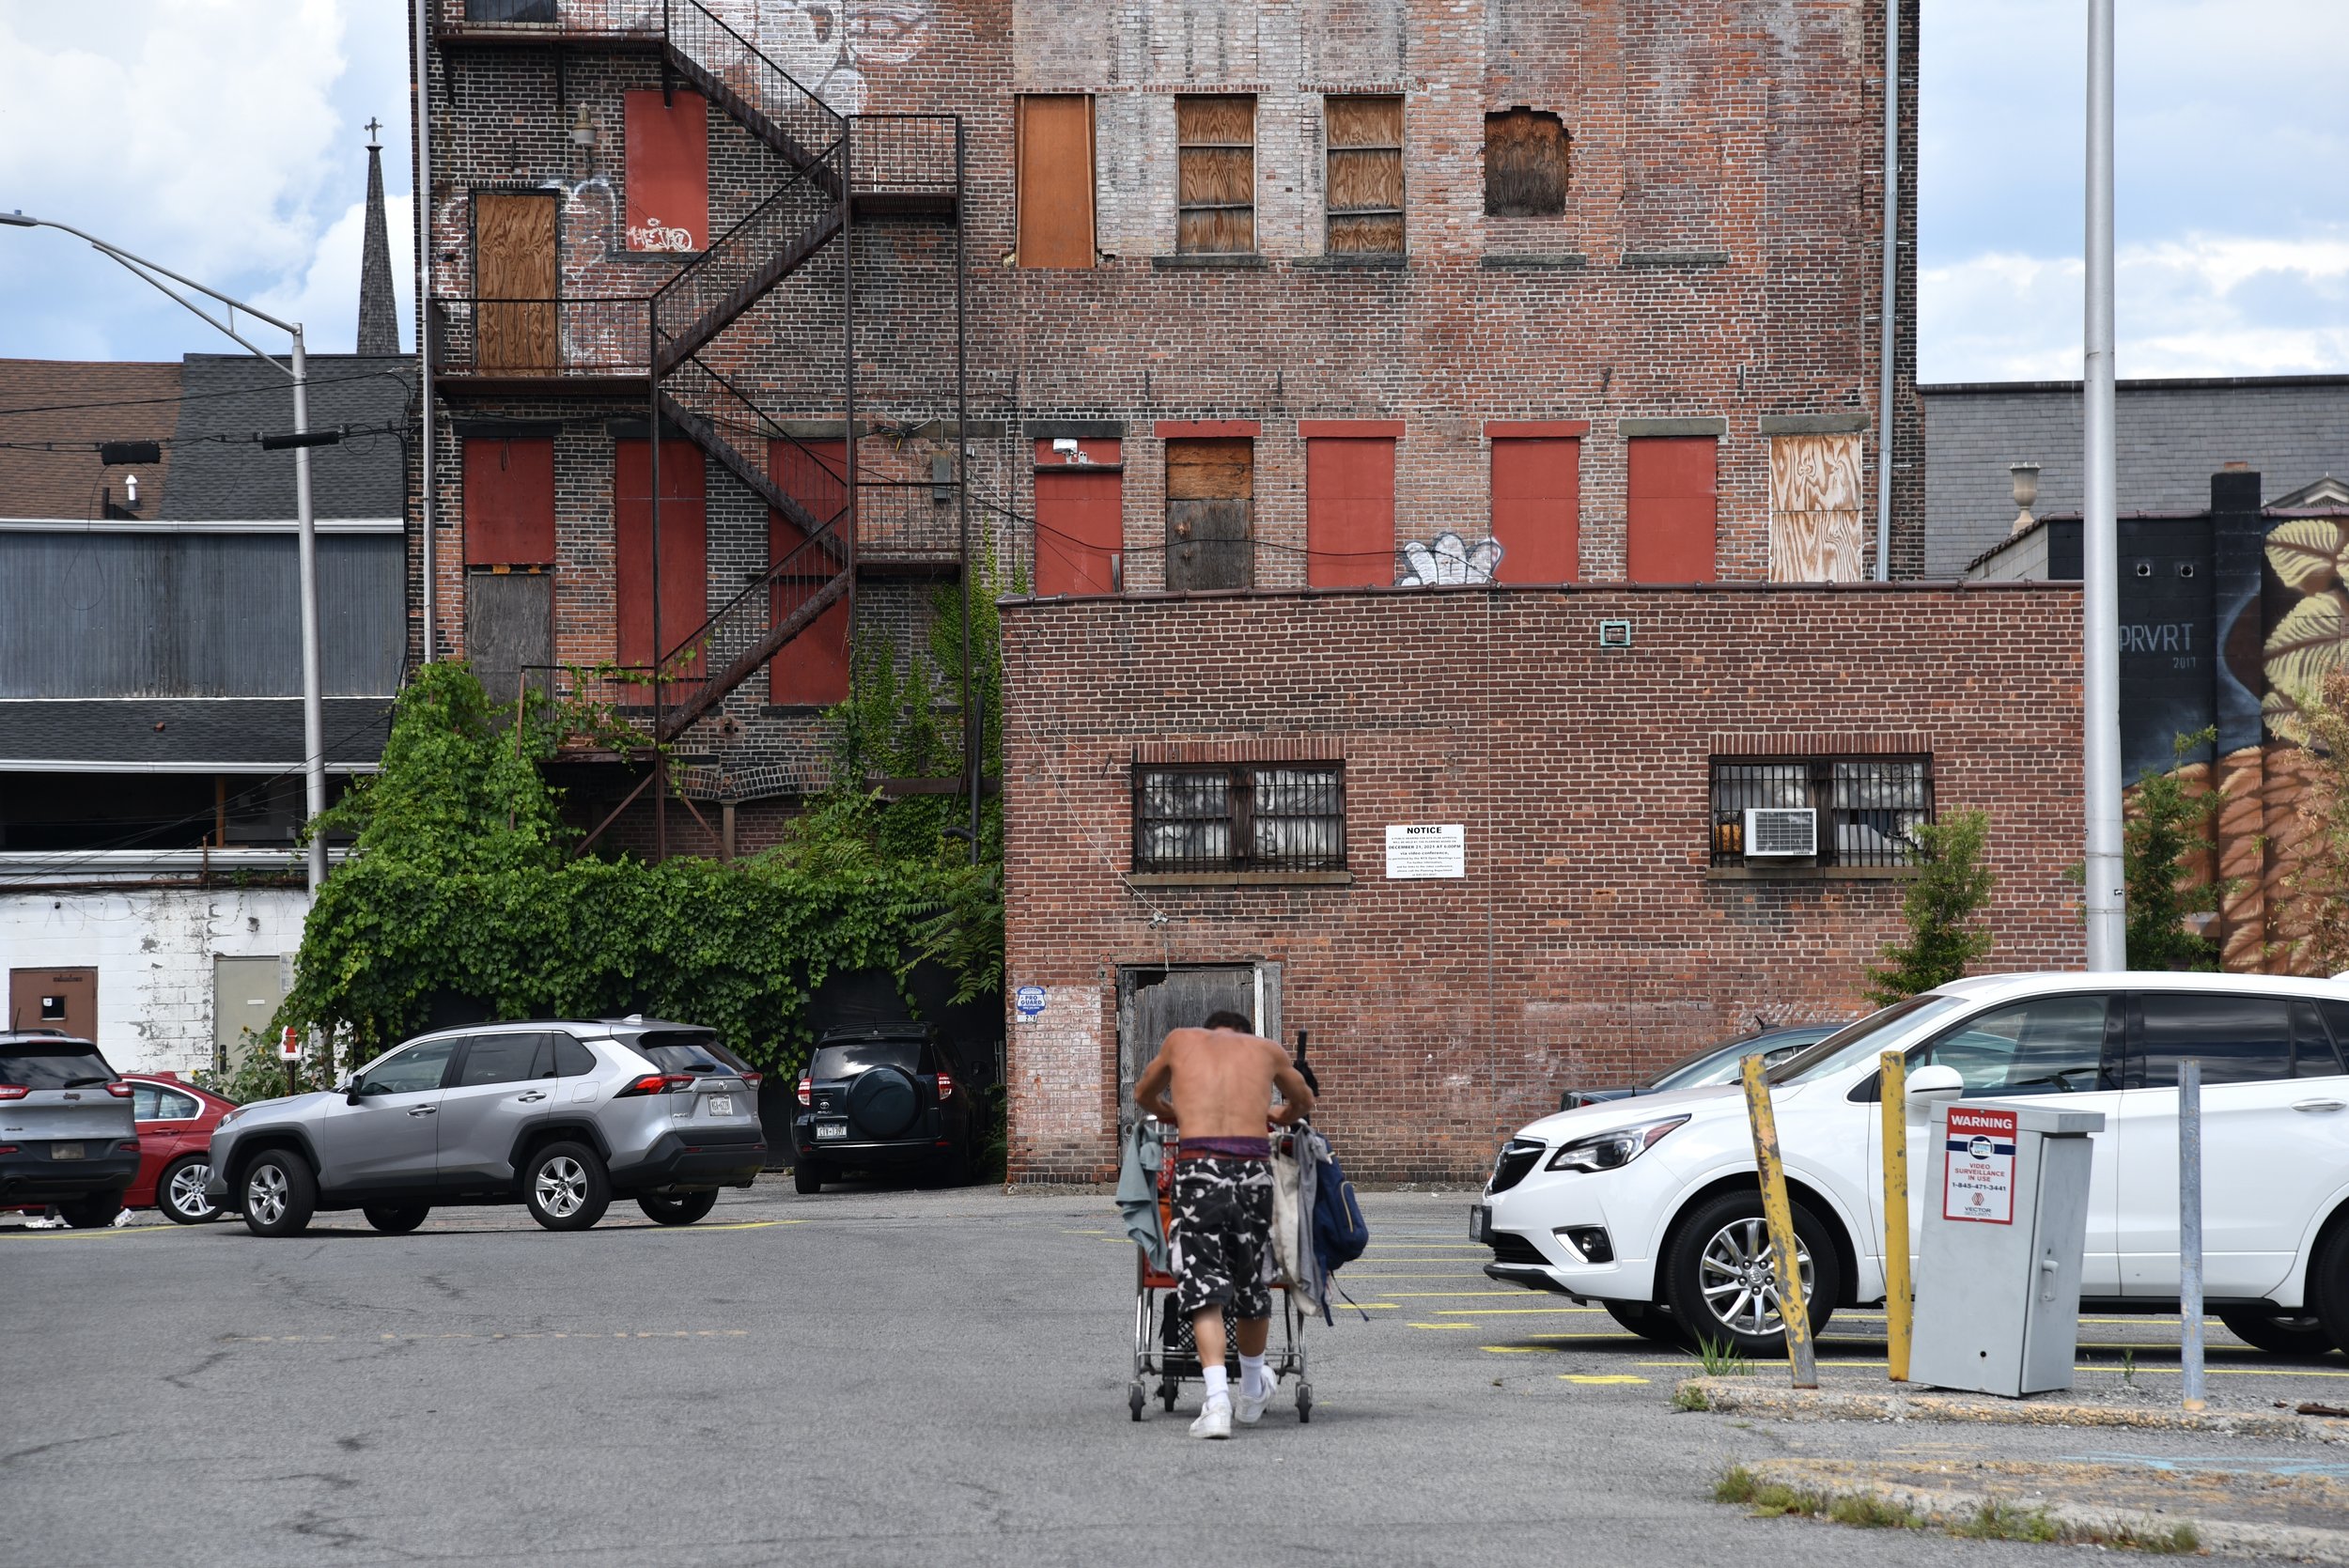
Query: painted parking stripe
(1599, 1378)
(86, 1236)
(2098, 1366)
(1464, 1327)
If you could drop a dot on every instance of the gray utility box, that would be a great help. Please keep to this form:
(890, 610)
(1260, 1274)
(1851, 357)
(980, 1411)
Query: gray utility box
(2005, 1192)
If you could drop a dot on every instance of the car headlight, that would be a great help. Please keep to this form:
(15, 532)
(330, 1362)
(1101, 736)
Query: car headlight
(231, 1115)
(1610, 1151)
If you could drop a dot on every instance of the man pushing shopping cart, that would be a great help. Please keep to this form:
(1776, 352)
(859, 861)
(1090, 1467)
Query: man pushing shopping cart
(1215, 1084)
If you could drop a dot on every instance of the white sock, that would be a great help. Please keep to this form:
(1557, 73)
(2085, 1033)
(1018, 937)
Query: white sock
(1214, 1377)
(1253, 1379)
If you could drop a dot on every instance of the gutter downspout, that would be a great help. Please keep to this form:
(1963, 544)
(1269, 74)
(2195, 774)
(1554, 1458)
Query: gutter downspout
(1889, 318)
(424, 291)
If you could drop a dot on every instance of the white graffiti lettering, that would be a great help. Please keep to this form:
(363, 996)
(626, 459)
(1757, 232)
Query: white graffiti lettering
(651, 235)
(2157, 637)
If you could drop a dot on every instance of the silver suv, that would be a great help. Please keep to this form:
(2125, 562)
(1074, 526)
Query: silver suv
(561, 1116)
(66, 1133)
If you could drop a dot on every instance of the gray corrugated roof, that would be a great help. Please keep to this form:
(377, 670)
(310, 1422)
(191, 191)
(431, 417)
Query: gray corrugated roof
(244, 733)
(236, 481)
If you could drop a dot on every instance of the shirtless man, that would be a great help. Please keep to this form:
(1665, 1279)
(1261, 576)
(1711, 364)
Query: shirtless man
(1215, 1084)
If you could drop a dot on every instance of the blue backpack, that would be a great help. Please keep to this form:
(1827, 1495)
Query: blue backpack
(1340, 1232)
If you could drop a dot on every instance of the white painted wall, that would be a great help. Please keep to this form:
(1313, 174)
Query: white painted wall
(153, 951)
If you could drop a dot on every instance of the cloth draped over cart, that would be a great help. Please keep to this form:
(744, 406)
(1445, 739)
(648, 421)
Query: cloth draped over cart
(1145, 1171)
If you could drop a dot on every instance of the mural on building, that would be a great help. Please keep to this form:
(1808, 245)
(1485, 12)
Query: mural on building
(1447, 559)
(830, 45)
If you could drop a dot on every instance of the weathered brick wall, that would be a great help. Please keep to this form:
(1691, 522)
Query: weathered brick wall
(1589, 941)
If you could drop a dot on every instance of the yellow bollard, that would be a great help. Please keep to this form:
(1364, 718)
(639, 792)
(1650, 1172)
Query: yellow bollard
(1778, 1214)
(1900, 1302)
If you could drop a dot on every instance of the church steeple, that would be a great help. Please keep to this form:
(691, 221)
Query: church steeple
(379, 317)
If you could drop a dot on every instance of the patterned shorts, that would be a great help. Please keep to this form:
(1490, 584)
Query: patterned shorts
(1223, 1229)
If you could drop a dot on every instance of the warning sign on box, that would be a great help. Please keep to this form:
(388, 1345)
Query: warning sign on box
(1978, 1166)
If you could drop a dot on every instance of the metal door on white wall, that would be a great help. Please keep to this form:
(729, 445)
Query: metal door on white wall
(245, 994)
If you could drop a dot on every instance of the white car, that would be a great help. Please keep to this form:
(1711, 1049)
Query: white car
(1650, 1206)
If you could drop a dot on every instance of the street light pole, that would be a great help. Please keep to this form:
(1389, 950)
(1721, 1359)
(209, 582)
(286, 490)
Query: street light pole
(2100, 587)
(313, 704)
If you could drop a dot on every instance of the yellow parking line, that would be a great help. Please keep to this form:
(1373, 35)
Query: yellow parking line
(1520, 1349)
(1464, 1327)
(1512, 1312)
(1419, 1277)
(1458, 1295)
(2099, 1366)
(107, 1231)
(739, 1225)
(1598, 1377)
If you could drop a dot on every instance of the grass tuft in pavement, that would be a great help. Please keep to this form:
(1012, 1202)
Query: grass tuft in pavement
(1722, 1359)
(1992, 1521)
(1690, 1397)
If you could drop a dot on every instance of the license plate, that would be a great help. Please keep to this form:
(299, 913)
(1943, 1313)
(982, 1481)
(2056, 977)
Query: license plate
(721, 1105)
(65, 1151)
(1479, 1222)
(832, 1130)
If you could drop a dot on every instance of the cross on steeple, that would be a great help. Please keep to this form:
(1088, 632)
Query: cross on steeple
(373, 126)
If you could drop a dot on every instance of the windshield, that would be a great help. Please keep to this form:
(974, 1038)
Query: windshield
(53, 1065)
(1721, 1064)
(678, 1050)
(861, 1056)
(1859, 1043)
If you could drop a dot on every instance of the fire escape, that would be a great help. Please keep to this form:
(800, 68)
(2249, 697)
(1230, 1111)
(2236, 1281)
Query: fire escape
(670, 348)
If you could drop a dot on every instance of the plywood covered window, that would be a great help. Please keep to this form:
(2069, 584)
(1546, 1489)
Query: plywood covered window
(668, 170)
(1055, 179)
(1363, 197)
(1525, 163)
(1538, 508)
(1815, 533)
(514, 281)
(509, 501)
(1215, 174)
(1673, 510)
(684, 554)
(1080, 515)
(811, 669)
(1349, 511)
(1211, 493)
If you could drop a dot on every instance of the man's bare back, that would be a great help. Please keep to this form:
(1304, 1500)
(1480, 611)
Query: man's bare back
(1218, 1083)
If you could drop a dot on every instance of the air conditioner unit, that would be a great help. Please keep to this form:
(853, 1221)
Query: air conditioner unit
(1780, 832)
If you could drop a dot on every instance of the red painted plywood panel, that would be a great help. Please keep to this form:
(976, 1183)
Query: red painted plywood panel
(509, 501)
(668, 171)
(1079, 517)
(684, 554)
(1349, 512)
(1673, 512)
(811, 669)
(1537, 509)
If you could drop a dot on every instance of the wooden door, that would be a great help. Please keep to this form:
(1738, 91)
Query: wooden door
(510, 630)
(684, 558)
(514, 281)
(1055, 178)
(64, 1000)
(1211, 487)
(1152, 1003)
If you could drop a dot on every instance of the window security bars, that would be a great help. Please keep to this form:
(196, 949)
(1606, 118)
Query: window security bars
(1240, 817)
(1867, 806)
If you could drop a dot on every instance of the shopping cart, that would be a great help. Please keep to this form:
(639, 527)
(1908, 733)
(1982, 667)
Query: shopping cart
(1164, 1348)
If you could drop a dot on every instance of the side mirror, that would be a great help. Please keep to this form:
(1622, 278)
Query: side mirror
(343, 1080)
(1928, 1084)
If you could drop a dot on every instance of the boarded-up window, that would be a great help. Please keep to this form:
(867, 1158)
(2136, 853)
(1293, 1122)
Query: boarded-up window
(1364, 196)
(1538, 508)
(1672, 509)
(514, 281)
(1525, 163)
(509, 501)
(1211, 487)
(811, 669)
(1216, 174)
(1055, 176)
(1079, 516)
(1349, 511)
(1814, 509)
(684, 558)
(668, 171)
(510, 630)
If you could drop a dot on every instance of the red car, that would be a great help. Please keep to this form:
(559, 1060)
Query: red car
(175, 1121)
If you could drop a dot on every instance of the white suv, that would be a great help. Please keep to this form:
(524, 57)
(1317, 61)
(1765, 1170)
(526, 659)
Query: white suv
(1650, 1206)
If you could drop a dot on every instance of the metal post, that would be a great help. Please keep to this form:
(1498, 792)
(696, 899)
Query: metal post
(1778, 1214)
(1900, 1299)
(2108, 933)
(313, 700)
(1890, 314)
(661, 778)
(2190, 1229)
(848, 328)
(974, 723)
(424, 291)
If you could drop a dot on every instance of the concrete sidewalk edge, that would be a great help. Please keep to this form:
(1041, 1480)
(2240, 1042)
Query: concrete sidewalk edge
(1748, 1396)
(1953, 1506)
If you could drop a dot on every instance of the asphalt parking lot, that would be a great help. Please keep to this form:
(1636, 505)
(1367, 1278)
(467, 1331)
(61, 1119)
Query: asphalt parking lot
(879, 1376)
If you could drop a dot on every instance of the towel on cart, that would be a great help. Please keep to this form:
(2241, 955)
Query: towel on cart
(1297, 1157)
(1137, 1170)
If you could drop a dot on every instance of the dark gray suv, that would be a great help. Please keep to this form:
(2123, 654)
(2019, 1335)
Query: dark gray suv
(66, 1133)
(560, 1116)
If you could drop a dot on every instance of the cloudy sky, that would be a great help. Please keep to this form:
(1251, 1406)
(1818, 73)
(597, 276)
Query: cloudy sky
(224, 137)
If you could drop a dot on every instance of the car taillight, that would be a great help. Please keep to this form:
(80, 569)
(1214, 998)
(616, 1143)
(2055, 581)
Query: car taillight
(752, 1080)
(945, 1086)
(656, 1083)
(128, 1145)
(118, 1088)
(13, 1091)
(807, 1096)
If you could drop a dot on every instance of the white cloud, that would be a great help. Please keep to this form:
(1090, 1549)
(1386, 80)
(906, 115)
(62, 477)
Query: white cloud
(325, 300)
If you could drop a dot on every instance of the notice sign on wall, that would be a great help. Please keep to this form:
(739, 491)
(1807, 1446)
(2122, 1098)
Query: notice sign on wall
(1978, 1166)
(1427, 849)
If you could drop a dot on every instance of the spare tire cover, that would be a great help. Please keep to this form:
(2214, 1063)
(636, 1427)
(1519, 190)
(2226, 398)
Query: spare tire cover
(881, 1104)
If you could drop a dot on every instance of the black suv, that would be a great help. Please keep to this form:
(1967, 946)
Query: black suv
(885, 1096)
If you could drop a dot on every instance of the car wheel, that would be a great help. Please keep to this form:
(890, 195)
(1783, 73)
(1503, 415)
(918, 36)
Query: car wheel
(396, 1218)
(180, 1191)
(1720, 1284)
(683, 1209)
(2278, 1332)
(806, 1176)
(1649, 1322)
(92, 1213)
(280, 1194)
(2328, 1286)
(565, 1187)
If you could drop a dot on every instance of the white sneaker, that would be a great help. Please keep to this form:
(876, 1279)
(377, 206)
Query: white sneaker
(1215, 1420)
(1247, 1408)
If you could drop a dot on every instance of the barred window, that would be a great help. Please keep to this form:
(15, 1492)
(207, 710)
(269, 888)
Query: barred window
(1243, 816)
(1864, 808)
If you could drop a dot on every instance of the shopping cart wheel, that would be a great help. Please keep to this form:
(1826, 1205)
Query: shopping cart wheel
(1304, 1401)
(1133, 1398)
(1166, 1395)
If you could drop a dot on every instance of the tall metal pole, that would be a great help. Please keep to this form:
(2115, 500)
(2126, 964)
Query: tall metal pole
(2190, 1229)
(974, 723)
(424, 291)
(659, 772)
(313, 700)
(2100, 751)
(1889, 316)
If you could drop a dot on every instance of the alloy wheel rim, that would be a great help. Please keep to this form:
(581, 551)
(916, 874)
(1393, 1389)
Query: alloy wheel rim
(187, 1190)
(266, 1194)
(562, 1187)
(1739, 1286)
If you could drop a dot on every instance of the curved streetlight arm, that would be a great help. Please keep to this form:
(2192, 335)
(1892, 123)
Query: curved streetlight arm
(152, 272)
